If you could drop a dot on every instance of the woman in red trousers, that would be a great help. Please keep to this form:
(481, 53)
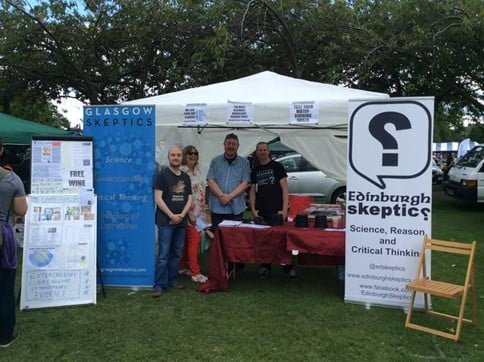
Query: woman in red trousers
(189, 261)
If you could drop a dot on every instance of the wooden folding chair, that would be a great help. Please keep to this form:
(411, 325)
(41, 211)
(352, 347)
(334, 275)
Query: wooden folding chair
(424, 284)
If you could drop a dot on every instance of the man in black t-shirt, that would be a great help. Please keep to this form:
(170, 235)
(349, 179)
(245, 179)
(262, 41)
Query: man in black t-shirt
(269, 194)
(173, 197)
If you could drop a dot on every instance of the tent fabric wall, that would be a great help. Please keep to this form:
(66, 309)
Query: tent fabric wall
(20, 131)
(272, 95)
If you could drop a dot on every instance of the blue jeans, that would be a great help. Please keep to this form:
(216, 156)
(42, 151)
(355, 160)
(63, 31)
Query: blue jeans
(171, 240)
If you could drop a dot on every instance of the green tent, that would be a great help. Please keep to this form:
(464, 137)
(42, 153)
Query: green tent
(16, 130)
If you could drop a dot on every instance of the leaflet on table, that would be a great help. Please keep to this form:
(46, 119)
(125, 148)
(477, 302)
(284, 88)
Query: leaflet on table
(253, 226)
(230, 223)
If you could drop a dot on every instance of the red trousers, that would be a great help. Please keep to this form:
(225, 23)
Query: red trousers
(189, 258)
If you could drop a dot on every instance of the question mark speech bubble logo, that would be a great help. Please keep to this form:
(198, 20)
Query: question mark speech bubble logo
(389, 140)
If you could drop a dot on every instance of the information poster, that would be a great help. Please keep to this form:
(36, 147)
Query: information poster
(304, 113)
(388, 199)
(59, 254)
(61, 165)
(240, 113)
(195, 115)
(124, 159)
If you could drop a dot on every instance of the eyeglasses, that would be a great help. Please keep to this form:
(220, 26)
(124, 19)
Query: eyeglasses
(192, 153)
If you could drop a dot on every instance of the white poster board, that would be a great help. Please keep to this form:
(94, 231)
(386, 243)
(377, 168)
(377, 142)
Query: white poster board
(59, 254)
(61, 165)
(389, 197)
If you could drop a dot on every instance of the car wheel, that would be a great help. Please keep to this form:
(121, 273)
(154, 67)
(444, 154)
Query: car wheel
(339, 193)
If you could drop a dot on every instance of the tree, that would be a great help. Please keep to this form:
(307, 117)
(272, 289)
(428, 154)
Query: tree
(420, 47)
(105, 51)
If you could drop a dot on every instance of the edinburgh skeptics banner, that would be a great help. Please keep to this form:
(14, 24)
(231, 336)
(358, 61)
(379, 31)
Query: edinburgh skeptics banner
(389, 197)
(124, 161)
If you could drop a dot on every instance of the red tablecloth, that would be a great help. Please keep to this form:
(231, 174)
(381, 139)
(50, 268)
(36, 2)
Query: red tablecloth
(270, 245)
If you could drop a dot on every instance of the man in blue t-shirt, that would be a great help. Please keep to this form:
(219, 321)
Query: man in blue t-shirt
(173, 197)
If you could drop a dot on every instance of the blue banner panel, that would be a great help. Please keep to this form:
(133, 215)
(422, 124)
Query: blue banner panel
(124, 163)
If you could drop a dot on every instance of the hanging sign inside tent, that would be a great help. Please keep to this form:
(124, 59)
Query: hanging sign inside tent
(304, 113)
(195, 115)
(240, 113)
(388, 197)
(124, 155)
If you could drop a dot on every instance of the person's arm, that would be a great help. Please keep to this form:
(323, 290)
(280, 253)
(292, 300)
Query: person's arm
(240, 189)
(188, 206)
(214, 188)
(163, 207)
(243, 185)
(19, 205)
(255, 213)
(285, 197)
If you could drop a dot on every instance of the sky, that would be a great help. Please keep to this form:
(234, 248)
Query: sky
(70, 108)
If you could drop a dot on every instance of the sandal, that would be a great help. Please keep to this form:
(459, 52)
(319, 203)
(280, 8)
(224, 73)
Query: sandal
(200, 278)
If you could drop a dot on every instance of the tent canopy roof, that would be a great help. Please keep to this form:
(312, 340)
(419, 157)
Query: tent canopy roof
(271, 95)
(269, 92)
(259, 88)
(16, 130)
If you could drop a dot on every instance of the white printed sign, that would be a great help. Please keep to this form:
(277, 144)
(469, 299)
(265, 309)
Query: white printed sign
(240, 113)
(389, 197)
(304, 113)
(61, 166)
(59, 252)
(195, 115)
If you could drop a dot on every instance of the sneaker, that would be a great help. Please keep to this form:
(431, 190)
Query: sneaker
(12, 339)
(263, 272)
(177, 286)
(200, 278)
(157, 293)
(184, 272)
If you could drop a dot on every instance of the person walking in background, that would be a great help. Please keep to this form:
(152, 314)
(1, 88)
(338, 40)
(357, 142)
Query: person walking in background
(228, 177)
(12, 200)
(173, 197)
(268, 195)
(196, 216)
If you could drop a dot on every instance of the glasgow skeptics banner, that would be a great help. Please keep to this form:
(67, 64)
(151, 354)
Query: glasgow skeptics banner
(124, 160)
(389, 197)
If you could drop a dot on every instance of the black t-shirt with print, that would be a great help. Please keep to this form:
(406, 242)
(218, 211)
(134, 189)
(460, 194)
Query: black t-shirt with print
(268, 199)
(176, 189)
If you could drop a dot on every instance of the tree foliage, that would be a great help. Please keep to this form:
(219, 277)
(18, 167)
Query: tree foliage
(105, 51)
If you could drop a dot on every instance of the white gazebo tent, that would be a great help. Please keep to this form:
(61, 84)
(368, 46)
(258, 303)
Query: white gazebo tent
(324, 144)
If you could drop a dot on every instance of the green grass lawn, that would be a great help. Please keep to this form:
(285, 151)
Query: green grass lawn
(270, 319)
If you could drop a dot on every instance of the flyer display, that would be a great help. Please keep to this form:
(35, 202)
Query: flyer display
(61, 165)
(59, 252)
(389, 197)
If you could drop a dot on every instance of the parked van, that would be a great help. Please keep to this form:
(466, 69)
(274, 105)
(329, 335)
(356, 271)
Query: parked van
(466, 178)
